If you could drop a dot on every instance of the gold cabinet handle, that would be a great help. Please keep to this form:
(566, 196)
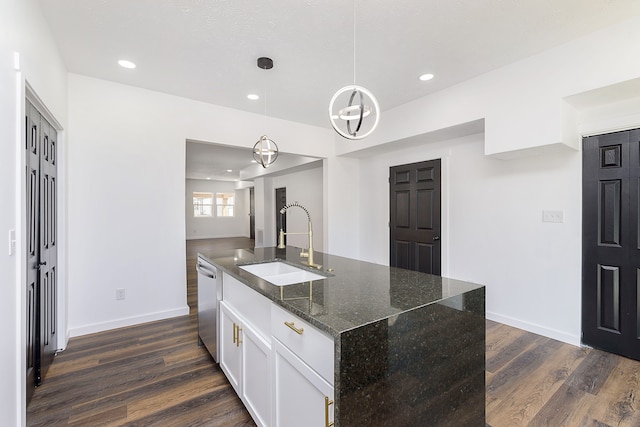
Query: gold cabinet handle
(235, 332)
(327, 402)
(238, 340)
(296, 330)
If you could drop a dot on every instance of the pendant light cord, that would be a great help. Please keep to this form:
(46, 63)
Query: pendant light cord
(354, 42)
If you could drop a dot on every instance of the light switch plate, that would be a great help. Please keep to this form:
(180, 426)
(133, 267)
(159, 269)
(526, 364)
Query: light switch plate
(552, 216)
(12, 242)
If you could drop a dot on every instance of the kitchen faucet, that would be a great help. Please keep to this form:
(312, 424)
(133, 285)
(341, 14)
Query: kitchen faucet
(309, 252)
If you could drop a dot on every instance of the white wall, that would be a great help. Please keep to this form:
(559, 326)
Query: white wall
(11, 364)
(534, 112)
(492, 229)
(122, 135)
(25, 32)
(216, 227)
(341, 206)
(306, 188)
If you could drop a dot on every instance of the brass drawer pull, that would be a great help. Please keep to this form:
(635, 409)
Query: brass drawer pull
(235, 333)
(296, 330)
(327, 402)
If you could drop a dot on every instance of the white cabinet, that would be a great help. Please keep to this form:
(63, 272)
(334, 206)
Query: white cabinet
(281, 366)
(303, 372)
(301, 396)
(256, 379)
(245, 347)
(230, 352)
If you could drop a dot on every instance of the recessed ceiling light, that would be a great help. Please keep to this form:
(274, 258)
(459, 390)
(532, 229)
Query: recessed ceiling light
(229, 170)
(208, 177)
(253, 97)
(426, 77)
(126, 64)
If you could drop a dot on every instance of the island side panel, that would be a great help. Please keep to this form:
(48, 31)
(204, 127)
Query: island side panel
(422, 367)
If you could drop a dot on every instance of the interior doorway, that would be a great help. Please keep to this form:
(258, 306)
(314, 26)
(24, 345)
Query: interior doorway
(252, 213)
(281, 220)
(415, 217)
(611, 243)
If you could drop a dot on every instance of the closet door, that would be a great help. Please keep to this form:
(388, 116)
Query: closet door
(32, 147)
(48, 255)
(41, 247)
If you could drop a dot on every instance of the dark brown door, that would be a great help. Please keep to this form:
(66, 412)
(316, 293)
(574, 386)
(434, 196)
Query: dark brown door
(281, 220)
(610, 248)
(41, 247)
(252, 213)
(415, 216)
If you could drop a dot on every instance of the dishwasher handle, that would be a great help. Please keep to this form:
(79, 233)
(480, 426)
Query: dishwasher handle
(204, 271)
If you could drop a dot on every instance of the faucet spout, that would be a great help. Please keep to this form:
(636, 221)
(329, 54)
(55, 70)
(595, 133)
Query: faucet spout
(309, 252)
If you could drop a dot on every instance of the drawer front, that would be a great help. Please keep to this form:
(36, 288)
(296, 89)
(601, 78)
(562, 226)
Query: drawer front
(310, 344)
(250, 305)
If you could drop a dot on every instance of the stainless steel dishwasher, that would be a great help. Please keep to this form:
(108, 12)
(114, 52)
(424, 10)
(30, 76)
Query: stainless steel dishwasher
(209, 296)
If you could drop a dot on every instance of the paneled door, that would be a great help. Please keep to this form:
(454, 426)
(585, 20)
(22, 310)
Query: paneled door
(610, 243)
(252, 213)
(281, 219)
(41, 248)
(415, 198)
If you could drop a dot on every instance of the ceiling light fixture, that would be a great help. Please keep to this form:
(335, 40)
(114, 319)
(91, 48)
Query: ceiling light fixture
(265, 151)
(126, 64)
(426, 77)
(253, 97)
(360, 104)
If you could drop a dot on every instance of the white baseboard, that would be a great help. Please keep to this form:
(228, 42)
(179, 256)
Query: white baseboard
(219, 236)
(536, 329)
(128, 321)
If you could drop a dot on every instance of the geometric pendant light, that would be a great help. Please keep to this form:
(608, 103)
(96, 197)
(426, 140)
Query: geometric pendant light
(354, 111)
(265, 151)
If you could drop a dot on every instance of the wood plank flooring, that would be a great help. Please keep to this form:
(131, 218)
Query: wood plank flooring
(148, 375)
(156, 375)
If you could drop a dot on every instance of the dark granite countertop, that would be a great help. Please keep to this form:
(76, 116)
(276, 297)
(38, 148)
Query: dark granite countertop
(355, 293)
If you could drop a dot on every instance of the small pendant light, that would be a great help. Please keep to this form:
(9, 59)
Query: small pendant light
(265, 151)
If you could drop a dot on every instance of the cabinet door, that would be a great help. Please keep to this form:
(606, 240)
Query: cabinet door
(302, 397)
(230, 350)
(256, 377)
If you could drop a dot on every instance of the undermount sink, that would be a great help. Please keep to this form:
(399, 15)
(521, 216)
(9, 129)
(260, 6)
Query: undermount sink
(281, 274)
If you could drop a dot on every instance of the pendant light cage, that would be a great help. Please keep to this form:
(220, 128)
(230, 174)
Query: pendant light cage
(265, 151)
(360, 116)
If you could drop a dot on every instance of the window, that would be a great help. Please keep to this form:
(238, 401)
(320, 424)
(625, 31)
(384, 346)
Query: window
(224, 204)
(202, 204)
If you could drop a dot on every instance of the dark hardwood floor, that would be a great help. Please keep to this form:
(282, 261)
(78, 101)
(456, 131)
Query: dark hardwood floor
(156, 375)
(148, 375)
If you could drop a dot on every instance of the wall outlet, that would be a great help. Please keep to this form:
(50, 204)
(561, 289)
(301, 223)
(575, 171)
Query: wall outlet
(120, 295)
(552, 216)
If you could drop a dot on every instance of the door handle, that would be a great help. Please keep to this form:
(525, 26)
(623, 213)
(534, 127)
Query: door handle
(205, 272)
(436, 238)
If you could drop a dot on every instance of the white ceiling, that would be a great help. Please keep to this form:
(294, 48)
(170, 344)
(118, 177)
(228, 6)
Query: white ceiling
(212, 161)
(207, 49)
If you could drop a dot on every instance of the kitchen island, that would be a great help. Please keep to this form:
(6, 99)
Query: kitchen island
(408, 347)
